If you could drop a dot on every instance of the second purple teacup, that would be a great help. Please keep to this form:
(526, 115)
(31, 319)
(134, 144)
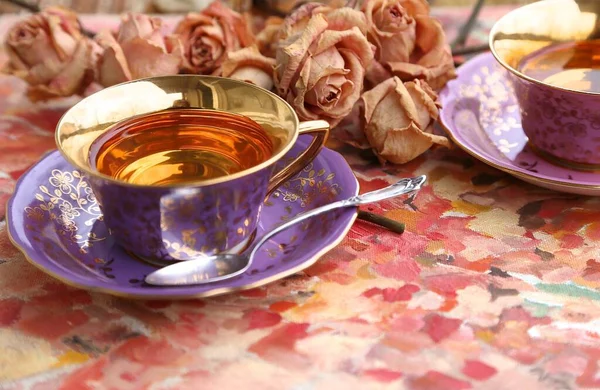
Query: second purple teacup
(181, 165)
(551, 50)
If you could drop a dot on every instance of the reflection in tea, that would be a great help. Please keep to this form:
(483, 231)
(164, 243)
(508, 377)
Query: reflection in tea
(572, 65)
(180, 146)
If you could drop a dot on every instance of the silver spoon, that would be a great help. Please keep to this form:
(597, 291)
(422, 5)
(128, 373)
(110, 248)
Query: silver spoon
(211, 269)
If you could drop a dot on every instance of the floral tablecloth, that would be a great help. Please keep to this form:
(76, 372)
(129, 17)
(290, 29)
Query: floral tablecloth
(494, 285)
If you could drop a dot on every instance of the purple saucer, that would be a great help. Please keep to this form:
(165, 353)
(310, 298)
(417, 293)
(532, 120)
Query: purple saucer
(53, 218)
(481, 115)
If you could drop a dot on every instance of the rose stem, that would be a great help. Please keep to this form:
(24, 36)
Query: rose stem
(465, 31)
(462, 51)
(35, 9)
(390, 224)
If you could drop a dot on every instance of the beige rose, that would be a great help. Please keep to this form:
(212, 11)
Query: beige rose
(320, 71)
(50, 53)
(399, 119)
(137, 51)
(250, 65)
(208, 35)
(410, 43)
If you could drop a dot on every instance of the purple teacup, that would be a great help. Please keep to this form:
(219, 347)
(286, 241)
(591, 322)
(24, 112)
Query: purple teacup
(544, 47)
(183, 220)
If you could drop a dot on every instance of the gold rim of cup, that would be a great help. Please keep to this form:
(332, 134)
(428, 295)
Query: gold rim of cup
(91, 117)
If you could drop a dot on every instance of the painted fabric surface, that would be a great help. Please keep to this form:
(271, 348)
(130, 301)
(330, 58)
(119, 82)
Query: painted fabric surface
(494, 285)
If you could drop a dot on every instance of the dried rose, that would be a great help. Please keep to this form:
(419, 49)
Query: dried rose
(320, 71)
(267, 38)
(399, 119)
(49, 51)
(410, 43)
(137, 51)
(250, 65)
(208, 35)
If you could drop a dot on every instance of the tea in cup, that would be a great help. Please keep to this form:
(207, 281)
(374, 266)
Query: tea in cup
(181, 165)
(551, 50)
(178, 146)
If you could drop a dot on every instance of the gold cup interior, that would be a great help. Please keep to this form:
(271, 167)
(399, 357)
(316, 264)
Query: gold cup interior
(87, 120)
(541, 24)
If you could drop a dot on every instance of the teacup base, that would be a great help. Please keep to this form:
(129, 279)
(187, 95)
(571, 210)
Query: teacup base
(559, 161)
(159, 263)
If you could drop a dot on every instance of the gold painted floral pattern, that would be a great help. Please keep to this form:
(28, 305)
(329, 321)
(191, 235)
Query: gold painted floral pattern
(308, 186)
(68, 200)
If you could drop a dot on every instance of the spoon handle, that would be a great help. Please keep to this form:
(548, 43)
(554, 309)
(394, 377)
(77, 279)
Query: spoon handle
(403, 186)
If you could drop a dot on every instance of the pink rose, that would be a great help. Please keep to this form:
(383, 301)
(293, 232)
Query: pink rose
(410, 43)
(138, 50)
(250, 65)
(208, 35)
(399, 119)
(49, 52)
(320, 71)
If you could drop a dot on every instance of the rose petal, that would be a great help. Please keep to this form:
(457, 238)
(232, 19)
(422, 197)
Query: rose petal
(15, 65)
(112, 67)
(63, 42)
(352, 39)
(136, 25)
(174, 46)
(191, 22)
(355, 77)
(296, 94)
(249, 65)
(254, 76)
(77, 75)
(289, 58)
(35, 50)
(376, 74)
(74, 78)
(299, 19)
(405, 144)
(43, 72)
(146, 60)
(325, 64)
(346, 18)
(267, 38)
(237, 30)
(425, 101)
(328, 90)
(70, 21)
(415, 7)
(436, 76)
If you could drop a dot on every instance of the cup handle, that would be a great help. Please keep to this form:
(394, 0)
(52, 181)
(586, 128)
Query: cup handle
(319, 129)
